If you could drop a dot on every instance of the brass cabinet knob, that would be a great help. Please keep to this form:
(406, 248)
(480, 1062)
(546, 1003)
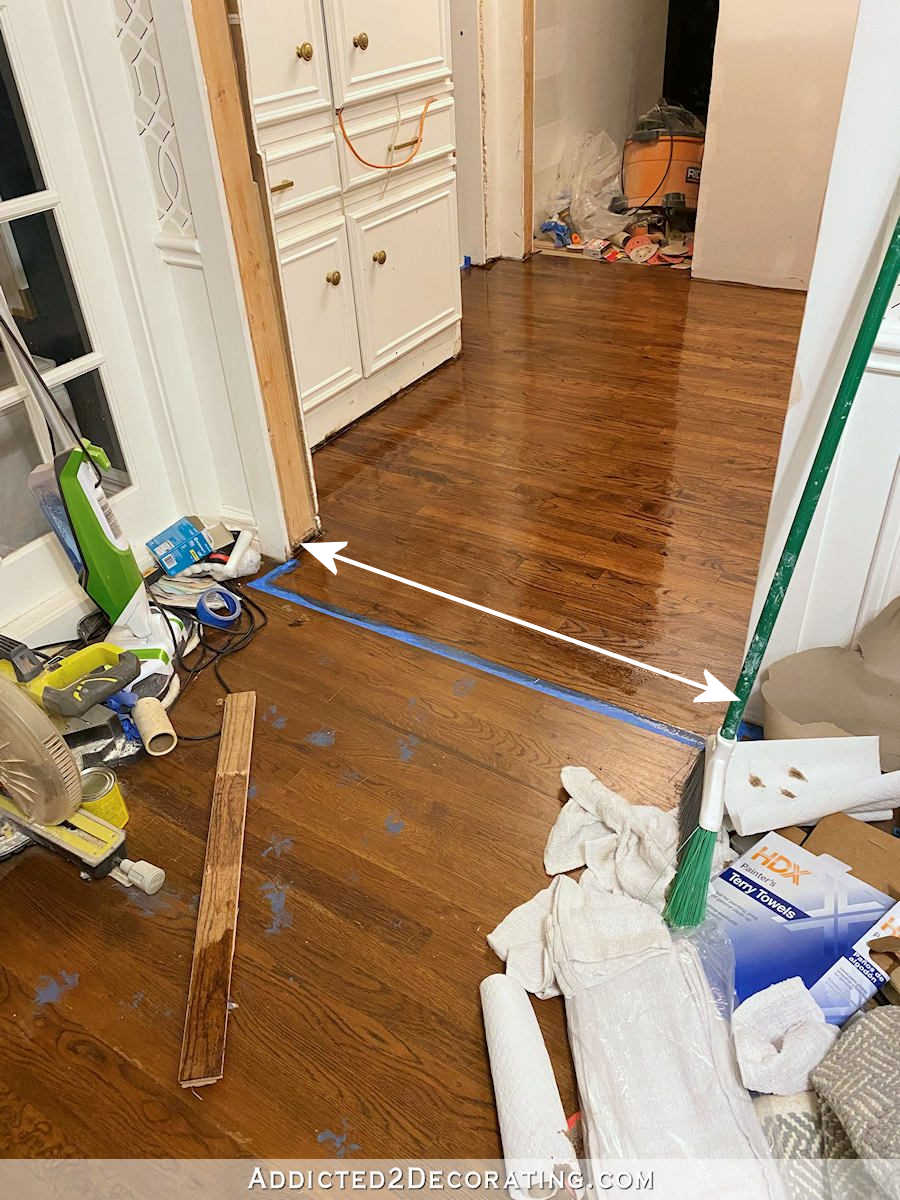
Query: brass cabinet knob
(379, 257)
(333, 277)
(282, 186)
(361, 41)
(305, 51)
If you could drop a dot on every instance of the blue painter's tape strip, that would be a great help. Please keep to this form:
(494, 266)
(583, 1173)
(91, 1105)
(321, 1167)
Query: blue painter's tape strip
(268, 584)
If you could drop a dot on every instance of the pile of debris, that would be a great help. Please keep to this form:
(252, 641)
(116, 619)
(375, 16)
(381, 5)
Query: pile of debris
(769, 1032)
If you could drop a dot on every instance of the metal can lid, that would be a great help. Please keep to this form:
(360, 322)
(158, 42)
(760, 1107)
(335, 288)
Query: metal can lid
(96, 782)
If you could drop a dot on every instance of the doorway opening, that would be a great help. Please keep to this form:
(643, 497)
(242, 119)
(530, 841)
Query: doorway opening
(621, 98)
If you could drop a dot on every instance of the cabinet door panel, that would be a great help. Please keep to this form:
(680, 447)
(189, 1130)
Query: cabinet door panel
(282, 83)
(321, 314)
(399, 44)
(374, 134)
(301, 171)
(414, 292)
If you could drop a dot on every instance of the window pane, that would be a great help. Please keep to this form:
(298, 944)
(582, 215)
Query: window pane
(20, 174)
(38, 286)
(85, 400)
(22, 518)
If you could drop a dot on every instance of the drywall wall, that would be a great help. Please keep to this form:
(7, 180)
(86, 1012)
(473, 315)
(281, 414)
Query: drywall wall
(466, 43)
(598, 66)
(503, 91)
(850, 566)
(778, 80)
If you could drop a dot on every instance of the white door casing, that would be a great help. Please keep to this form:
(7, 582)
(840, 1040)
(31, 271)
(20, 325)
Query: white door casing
(849, 568)
(37, 579)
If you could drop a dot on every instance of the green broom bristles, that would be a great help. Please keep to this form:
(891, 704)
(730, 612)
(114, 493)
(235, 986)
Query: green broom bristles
(686, 898)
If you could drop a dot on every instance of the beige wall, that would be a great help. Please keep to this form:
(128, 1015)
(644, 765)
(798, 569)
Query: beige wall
(778, 82)
(598, 64)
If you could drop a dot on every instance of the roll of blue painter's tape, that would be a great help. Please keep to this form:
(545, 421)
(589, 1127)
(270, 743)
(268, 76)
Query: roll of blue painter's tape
(226, 612)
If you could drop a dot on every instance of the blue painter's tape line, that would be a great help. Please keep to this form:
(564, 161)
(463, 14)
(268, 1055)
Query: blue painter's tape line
(268, 585)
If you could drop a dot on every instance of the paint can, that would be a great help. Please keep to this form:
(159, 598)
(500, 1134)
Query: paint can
(102, 796)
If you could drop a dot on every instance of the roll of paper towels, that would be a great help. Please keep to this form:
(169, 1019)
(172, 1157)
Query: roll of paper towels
(536, 1147)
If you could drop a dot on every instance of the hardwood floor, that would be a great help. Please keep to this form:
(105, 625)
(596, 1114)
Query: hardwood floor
(599, 460)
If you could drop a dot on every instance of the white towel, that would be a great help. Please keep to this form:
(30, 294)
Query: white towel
(631, 849)
(780, 1035)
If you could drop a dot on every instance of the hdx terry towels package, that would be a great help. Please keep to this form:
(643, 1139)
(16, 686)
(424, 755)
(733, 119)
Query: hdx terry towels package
(789, 912)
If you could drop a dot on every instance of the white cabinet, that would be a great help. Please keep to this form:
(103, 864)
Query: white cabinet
(318, 296)
(287, 58)
(368, 258)
(378, 47)
(405, 271)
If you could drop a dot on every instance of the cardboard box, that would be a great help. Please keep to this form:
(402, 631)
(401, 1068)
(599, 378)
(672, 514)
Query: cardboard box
(871, 854)
(179, 546)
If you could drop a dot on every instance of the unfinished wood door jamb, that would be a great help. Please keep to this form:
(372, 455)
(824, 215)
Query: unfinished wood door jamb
(257, 268)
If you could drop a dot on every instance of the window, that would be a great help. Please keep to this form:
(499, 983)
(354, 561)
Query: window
(38, 284)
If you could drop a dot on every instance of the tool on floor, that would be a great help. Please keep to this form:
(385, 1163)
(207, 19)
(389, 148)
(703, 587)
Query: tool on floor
(70, 492)
(41, 795)
(72, 684)
(703, 797)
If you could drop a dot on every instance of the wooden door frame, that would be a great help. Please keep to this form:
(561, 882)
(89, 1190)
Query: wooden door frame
(243, 178)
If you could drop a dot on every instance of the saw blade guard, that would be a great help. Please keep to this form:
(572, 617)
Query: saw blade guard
(38, 771)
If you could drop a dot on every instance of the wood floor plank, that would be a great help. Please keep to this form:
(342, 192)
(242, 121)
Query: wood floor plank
(206, 1020)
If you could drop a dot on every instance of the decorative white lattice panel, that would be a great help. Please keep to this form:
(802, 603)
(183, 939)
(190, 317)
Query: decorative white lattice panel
(153, 114)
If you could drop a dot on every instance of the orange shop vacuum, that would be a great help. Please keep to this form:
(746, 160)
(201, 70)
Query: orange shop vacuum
(662, 159)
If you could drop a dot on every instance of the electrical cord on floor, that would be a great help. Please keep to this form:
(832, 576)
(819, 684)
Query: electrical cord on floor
(212, 652)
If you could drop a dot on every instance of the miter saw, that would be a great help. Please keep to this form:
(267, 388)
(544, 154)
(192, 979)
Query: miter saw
(41, 797)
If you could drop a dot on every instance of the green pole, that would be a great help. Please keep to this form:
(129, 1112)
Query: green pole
(831, 436)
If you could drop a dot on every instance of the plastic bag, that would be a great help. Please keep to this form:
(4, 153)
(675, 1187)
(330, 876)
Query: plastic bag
(589, 172)
(716, 954)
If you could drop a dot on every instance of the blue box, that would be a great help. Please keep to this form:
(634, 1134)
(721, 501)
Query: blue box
(788, 912)
(179, 546)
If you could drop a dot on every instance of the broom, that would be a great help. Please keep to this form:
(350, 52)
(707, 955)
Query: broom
(702, 807)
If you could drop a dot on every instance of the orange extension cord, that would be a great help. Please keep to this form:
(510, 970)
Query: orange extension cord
(388, 166)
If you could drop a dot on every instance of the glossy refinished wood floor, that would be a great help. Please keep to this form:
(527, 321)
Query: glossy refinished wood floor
(599, 461)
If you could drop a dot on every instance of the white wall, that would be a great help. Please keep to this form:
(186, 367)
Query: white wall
(466, 41)
(850, 566)
(598, 66)
(778, 81)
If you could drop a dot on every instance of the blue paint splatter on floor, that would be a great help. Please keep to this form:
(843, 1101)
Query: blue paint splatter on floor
(462, 687)
(348, 775)
(251, 791)
(320, 737)
(407, 746)
(276, 894)
(150, 906)
(394, 824)
(50, 990)
(342, 1146)
(273, 718)
(278, 845)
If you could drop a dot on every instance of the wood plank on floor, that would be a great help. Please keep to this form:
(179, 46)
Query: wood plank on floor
(206, 1019)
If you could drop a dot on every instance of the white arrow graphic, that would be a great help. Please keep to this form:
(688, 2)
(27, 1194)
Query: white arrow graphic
(713, 691)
